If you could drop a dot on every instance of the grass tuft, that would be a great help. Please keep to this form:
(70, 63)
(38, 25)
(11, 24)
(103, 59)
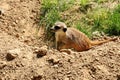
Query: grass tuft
(90, 18)
(113, 22)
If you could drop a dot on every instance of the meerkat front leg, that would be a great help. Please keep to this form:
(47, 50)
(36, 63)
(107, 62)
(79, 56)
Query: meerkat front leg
(56, 44)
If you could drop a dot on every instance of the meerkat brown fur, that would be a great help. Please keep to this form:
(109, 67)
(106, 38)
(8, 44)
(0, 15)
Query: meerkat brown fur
(67, 38)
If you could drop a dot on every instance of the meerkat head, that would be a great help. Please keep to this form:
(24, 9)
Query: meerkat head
(59, 26)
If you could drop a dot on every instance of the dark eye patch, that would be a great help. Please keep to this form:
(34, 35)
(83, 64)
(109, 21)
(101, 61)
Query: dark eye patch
(57, 27)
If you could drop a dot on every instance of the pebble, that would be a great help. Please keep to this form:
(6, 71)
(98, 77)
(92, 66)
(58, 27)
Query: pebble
(2, 64)
(12, 54)
(41, 51)
(68, 51)
(1, 11)
(53, 59)
(39, 77)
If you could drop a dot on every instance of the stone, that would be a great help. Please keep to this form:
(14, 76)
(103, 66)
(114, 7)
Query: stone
(53, 60)
(1, 11)
(39, 77)
(68, 51)
(12, 54)
(2, 64)
(41, 51)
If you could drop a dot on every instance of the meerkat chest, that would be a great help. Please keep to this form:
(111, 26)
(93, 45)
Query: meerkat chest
(60, 36)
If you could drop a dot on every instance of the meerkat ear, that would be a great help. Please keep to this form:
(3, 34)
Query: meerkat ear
(64, 29)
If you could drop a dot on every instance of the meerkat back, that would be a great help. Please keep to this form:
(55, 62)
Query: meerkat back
(79, 40)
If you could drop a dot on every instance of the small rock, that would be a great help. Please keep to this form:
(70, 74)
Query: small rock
(2, 64)
(39, 77)
(118, 77)
(23, 31)
(53, 60)
(51, 52)
(66, 78)
(103, 69)
(41, 51)
(16, 21)
(64, 53)
(12, 54)
(27, 41)
(17, 35)
(56, 66)
(68, 51)
(1, 11)
(22, 37)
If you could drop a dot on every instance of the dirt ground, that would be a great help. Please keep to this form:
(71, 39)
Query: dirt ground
(24, 55)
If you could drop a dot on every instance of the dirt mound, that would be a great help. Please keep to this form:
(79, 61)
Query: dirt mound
(99, 63)
(20, 18)
(23, 58)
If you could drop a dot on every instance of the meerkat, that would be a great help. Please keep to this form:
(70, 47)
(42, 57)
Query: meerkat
(67, 38)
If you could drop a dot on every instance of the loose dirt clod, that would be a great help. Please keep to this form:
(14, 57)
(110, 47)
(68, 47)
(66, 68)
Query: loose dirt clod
(12, 54)
(53, 60)
(2, 64)
(1, 11)
(39, 77)
(118, 77)
(41, 51)
(68, 51)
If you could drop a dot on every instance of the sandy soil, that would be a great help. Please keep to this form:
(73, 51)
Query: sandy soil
(23, 56)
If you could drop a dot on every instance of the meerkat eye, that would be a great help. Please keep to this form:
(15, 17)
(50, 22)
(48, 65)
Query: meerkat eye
(57, 27)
